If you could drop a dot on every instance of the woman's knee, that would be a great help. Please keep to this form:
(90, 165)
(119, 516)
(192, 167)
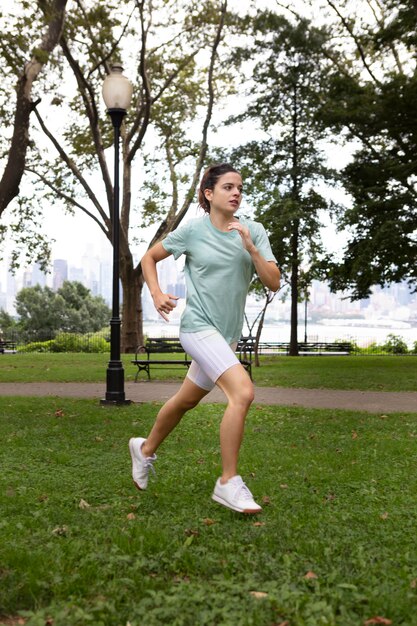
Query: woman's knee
(243, 396)
(186, 404)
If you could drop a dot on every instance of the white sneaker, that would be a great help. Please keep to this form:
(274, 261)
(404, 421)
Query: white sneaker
(140, 464)
(235, 495)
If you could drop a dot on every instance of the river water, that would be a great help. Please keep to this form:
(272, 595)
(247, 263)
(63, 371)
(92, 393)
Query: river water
(329, 331)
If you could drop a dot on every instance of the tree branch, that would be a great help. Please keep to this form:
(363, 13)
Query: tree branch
(171, 224)
(144, 111)
(67, 198)
(74, 169)
(356, 40)
(13, 172)
(88, 96)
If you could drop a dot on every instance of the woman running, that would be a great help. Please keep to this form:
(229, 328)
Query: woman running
(222, 252)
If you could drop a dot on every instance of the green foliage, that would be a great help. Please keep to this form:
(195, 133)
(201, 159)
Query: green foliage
(72, 308)
(165, 48)
(375, 109)
(68, 342)
(7, 322)
(395, 345)
(283, 171)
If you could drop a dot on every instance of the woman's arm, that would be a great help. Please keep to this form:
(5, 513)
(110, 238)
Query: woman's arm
(268, 271)
(163, 302)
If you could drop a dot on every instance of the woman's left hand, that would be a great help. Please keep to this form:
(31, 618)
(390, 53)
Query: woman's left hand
(244, 234)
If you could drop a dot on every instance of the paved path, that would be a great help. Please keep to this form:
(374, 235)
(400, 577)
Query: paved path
(370, 401)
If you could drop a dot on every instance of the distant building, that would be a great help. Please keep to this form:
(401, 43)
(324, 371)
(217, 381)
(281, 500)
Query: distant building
(60, 273)
(76, 275)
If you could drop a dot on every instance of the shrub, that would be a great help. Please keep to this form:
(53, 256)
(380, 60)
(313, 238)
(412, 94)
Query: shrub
(69, 342)
(395, 345)
(36, 346)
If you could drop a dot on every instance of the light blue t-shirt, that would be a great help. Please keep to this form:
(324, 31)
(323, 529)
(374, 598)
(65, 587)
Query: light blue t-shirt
(218, 271)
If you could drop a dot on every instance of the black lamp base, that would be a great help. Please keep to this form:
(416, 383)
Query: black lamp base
(115, 394)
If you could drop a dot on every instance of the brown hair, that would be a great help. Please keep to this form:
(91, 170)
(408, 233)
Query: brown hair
(209, 180)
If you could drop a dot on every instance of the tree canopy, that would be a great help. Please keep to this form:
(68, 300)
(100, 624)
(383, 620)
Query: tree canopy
(171, 52)
(284, 169)
(372, 96)
(72, 308)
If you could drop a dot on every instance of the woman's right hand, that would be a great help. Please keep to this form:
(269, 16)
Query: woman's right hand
(164, 303)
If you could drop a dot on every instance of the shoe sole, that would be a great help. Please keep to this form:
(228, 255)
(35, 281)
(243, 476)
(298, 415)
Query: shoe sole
(234, 508)
(132, 456)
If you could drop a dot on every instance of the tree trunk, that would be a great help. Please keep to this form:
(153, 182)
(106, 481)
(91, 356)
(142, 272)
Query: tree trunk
(294, 291)
(295, 232)
(13, 172)
(132, 313)
(259, 332)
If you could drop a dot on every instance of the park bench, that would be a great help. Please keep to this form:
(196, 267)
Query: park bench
(307, 348)
(147, 356)
(10, 346)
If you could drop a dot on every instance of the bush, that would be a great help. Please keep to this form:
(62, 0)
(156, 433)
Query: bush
(395, 345)
(69, 342)
(36, 346)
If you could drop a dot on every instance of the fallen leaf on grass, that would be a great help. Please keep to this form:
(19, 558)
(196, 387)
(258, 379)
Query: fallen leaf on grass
(354, 434)
(60, 531)
(208, 521)
(83, 504)
(191, 531)
(413, 583)
(259, 523)
(258, 594)
(11, 620)
(266, 500)
(131, 516)
(284, 486)
(98, 439)
(384, 515)
(59, 413)
(378, 620)
(310, 575)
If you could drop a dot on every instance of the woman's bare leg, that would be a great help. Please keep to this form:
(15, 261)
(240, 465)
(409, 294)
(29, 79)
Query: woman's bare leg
(186, 398)
(239, 391)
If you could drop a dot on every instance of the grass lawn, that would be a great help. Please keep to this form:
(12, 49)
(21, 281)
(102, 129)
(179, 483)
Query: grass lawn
(79, 545)
(377, 373)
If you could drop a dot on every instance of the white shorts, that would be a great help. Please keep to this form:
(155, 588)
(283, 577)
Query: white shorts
(211, 355)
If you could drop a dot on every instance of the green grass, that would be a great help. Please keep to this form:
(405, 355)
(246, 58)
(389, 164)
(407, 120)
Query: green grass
(377, 373)
(342, 489)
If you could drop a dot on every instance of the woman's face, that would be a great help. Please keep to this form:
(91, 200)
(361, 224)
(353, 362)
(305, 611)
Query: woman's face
(227, 193)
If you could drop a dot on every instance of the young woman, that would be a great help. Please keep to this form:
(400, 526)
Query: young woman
(222, 253)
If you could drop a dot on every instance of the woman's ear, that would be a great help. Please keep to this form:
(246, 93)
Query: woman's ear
(208, 194)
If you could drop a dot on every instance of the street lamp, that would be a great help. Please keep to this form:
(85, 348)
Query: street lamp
(117, 93)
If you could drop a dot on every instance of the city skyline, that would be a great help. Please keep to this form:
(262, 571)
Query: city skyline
(394, 302)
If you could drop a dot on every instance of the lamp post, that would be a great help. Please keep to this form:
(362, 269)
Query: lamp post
(117, 93)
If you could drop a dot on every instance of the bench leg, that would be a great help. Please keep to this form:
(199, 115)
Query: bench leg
(140, 368)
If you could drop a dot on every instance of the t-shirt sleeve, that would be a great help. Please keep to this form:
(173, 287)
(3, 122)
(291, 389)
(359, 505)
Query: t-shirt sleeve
(261, 241)
(176, 241)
